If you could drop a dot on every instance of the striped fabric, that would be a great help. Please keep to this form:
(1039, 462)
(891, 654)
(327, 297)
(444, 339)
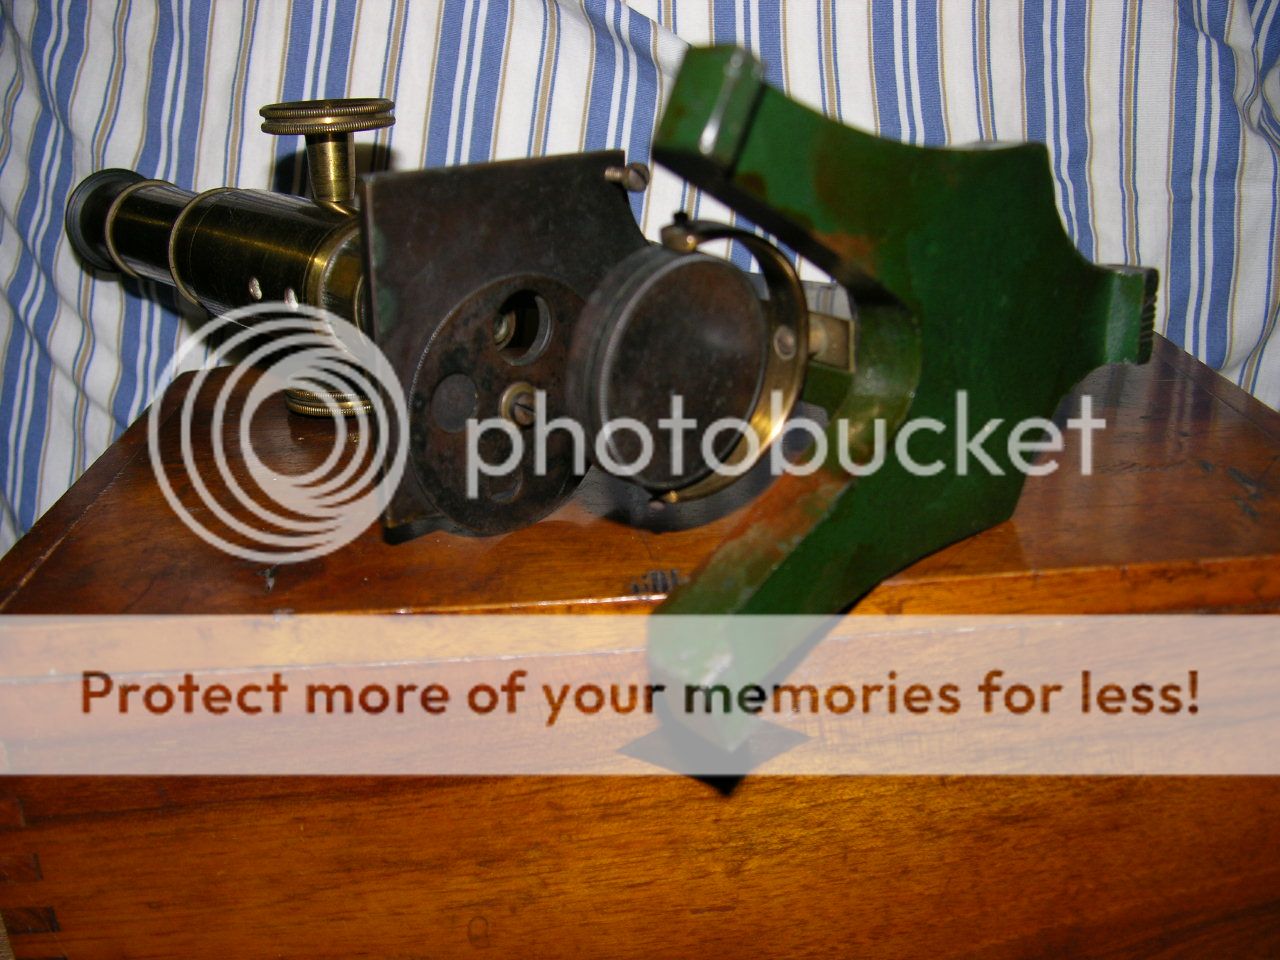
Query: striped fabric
(1162, 119)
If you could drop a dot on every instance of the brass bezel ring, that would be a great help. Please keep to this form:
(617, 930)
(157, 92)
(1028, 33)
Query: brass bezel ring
(174, 230)
(786, 309)
(110, 219)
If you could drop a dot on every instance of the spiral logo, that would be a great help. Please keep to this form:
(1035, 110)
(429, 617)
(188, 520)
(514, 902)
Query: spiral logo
(280, 517)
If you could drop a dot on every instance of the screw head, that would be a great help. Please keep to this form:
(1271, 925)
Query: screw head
(634, 176)
(784, 342)
(517, 404)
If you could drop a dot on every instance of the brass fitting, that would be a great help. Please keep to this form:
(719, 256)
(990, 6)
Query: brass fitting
(327, 126)
(230, 248)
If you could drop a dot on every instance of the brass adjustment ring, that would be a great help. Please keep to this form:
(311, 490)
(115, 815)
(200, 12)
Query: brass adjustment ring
(328, 125)
(310, 404)
(305, 117)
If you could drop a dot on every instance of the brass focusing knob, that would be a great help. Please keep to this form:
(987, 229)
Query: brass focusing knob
(328, 125)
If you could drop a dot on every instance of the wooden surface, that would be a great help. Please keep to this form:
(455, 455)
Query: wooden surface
(1182, 514)
(651, 868)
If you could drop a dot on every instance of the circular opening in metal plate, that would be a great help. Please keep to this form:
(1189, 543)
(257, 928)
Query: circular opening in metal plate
(454, 402)
(522, 327)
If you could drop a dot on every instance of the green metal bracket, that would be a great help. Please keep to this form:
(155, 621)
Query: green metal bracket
(964, 281)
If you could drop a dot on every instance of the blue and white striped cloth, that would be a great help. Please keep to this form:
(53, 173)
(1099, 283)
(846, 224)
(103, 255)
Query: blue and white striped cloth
(1162, 118)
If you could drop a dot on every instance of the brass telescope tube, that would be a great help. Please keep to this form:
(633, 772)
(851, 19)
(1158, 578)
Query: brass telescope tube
(223, 248)
(230, 248)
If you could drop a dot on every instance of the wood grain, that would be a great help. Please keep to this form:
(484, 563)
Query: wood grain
(1181, 514)
(657, 867)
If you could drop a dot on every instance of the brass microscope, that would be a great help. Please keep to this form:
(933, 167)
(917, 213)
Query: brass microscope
(495, 287)
(492, 288)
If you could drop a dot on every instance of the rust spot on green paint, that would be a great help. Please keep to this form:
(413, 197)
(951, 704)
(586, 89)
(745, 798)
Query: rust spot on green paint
(753, 182)
(853, 248)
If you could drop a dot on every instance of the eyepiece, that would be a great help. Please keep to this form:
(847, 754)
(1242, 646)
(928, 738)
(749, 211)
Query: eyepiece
(86, 219)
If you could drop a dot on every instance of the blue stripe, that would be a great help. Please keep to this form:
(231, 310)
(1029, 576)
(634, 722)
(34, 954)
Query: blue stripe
(250, 24)
(769, 39)
(1267, 49)
(124, 66)
(181, 138)
(724, 21)
(1051, 109)
(1185, 107)
(1075, 58)
(1133, 128)
(1224, 173)
(907, 91)
(599, 109)
(492, 56)
(1053, 118)
(1201, 200)
(163, 164)
(320, 48)
(182, 166)
(927, 55)
(769, 44)
(1033, 14)
(1126, 134)
(391, 85)
(335, 78)
(37, 208)
(289, 164)
(645, 98)
(20, 347)
(87, 348)
(183, 171)
(624, 94)
(725, 30)
(1268, 52)
(446, 72)
(141, 306)
(883, 40)
(457, 154)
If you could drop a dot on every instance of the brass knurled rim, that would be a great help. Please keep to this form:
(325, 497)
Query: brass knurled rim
(304, 117)
(312, 404)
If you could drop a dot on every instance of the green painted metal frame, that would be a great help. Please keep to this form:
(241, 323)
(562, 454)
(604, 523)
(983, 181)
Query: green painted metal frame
(964, 280)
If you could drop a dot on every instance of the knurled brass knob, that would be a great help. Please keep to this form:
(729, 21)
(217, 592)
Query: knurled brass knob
(328, 126)
(305, 117)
